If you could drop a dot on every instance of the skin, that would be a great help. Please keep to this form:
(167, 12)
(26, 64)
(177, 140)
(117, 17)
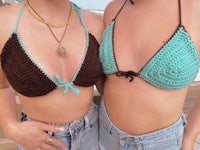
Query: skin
(54, 107)
(137, 37)
(192, 130)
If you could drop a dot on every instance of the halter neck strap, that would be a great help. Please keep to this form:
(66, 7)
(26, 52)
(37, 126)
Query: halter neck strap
(18, 18)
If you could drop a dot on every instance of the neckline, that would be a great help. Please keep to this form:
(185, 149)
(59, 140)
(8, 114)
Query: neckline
(25, 50)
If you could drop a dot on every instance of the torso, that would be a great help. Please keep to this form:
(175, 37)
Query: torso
(145, 108)
(51, 107)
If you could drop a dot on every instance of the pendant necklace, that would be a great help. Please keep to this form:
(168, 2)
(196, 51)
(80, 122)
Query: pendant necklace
(61, 51)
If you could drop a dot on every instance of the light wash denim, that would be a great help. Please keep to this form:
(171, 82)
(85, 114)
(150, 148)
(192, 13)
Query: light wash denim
(112, 138)
(79, 135)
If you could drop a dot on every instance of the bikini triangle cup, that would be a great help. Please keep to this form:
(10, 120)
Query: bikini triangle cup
(28, 78)
(174, 66)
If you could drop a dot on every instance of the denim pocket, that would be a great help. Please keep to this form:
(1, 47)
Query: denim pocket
(167, 143)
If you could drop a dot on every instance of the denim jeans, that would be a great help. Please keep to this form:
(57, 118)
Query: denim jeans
(79, 135)
(112, 138)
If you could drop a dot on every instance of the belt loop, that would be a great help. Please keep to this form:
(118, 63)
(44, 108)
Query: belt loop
(71, 131)
(87, 123)
(109, 129)
(184, 120)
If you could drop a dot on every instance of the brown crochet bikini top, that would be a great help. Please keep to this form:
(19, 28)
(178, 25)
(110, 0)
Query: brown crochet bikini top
(29, 79)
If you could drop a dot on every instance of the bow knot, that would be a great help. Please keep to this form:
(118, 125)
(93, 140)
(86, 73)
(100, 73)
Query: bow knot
(67, 86)
(130, 74)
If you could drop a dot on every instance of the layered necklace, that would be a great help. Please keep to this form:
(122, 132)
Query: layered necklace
(61, 51)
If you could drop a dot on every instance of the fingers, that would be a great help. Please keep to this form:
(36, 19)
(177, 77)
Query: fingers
(49, 128)
(56, 143)
(32, 135)
(50, 140)
(46, 146)
(52, 144)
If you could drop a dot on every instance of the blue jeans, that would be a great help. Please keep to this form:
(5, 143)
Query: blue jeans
(78, 135)
(112, 138)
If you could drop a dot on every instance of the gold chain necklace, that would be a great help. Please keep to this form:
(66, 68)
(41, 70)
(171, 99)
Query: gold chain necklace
(61, 51)
(35, 15)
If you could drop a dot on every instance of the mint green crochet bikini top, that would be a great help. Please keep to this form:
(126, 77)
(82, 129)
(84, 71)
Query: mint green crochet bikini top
(174, 66)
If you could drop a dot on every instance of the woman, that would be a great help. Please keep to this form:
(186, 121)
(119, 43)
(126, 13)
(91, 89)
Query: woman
(150, 54)
(49, 58)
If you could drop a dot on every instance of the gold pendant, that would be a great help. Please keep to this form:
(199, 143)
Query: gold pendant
(61, 51)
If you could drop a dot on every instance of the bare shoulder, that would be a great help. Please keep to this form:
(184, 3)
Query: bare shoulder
(191, 9)
(7, 19)
(8, 13)
(111, 10)
(8, 16)
(191, 5)
(94, 23)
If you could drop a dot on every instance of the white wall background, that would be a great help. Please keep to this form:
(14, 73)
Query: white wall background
(92, 4)
(198, 77)
(8, 1)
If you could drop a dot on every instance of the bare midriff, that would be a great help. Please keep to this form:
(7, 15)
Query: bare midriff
(139, 108)
(56, 108)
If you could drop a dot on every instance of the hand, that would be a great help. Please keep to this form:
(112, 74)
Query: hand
(51, 144)
(32, 135)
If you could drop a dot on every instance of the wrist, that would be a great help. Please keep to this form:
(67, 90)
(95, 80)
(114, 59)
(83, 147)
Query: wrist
(9, 129)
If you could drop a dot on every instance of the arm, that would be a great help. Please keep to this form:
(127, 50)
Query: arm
(8, 111)
(29, 134)
(192, 130)
(23, 133)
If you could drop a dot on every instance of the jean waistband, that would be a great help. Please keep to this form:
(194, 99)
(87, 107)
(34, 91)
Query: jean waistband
(84, 122)
(119, 134)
